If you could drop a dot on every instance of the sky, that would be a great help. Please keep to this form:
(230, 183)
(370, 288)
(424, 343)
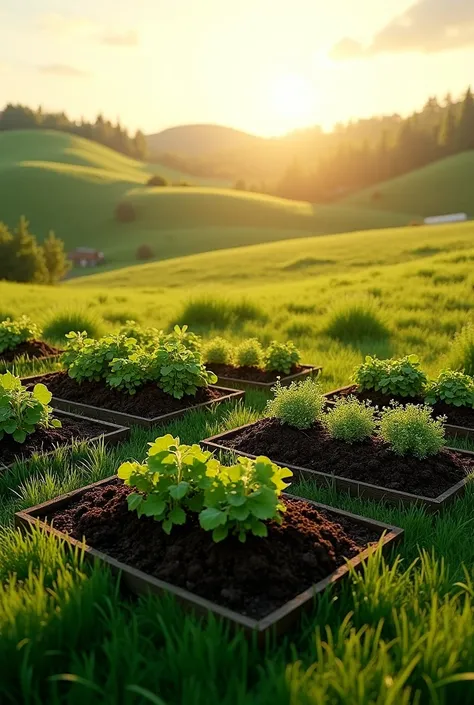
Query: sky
(263, 66)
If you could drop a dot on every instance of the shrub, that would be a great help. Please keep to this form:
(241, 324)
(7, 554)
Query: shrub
(242, 497)
(60, 324)
(299, 405)
(356, 321)
(462, 351)
(400, 378)
(350, 420)
(219, 351)
(454, 388)
(209, 312)
(89, 359)
(125, 212)
(178, 370)
(22, 411)
(411, 430)
(55, 257)
(249, 353)
(145, 252)
(281, 357)
(157, 180)
(170, 482)
(12, 333)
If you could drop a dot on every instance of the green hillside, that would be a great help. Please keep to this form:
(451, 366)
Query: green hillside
(290, 260)
(72, 186)
(200, 140)
(446, 186)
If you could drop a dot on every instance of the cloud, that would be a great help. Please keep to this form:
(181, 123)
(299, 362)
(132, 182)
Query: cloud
(66, 26)
(62, 70)
(427, 26)
(127, 38)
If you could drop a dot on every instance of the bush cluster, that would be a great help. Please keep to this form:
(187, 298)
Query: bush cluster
(462, 351)
(398, 377)
(172, 361)
(277, 357)
(409, 430)
(12, 333)
(177, 480)
(22, 412)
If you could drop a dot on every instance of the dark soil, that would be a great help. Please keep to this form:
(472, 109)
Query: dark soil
(456, 415)
(252, 374)
(45, 440)
(32, 349)
(253, 579)
(149, 401)
(370, 461)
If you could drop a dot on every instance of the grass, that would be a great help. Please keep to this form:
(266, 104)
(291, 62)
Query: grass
(400, 632)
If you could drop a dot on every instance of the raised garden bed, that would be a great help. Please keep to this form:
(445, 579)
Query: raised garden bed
(74, 428)
(368, 469)
(253, 378)
(148, 407)
(31, 350)
(260, 586)
(460, 420)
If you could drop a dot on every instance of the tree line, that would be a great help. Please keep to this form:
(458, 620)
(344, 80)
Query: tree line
(23, 259)
(115, 136)
(357, 160)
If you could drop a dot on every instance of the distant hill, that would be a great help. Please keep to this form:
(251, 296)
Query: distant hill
(200, 140)
(447, 186)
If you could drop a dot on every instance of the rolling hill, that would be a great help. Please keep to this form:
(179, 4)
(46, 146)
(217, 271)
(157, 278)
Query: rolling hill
(447, 186)
(200, 140)
(72, 185)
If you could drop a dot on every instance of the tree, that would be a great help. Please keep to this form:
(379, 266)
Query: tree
(465, 131)
(448, 132)
(57, 263)
(29, 263)
(7, 253)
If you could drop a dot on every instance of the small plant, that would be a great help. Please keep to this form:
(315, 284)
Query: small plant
(145, 337)
(411, 430)
(462, 351)
(22, 411)
(281, 357)
(242, 497)
(130, 373)
(350, 420)
(186, 337)
(299, 405)
(179, 371)
(249, 353)
(400, 378)
(12, 333)
(219, 351)
(170, 482)
(454, 388)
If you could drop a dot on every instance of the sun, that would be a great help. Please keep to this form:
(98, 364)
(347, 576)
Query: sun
(293, 100)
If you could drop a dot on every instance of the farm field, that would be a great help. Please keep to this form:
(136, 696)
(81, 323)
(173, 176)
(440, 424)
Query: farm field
(67, 632)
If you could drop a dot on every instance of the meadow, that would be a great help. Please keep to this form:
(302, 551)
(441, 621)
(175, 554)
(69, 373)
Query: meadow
(72, 186)
(402, 631)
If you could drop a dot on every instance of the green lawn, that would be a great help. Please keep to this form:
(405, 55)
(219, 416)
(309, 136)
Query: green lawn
(400, 633)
